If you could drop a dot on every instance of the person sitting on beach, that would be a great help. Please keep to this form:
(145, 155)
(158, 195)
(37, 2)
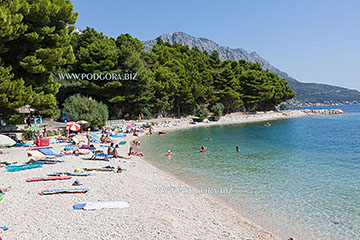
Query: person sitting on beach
(116, 153)
(3, 190)
(131, 152)
(203, 149)
(237, 149)
(110, 149)
(76, 151)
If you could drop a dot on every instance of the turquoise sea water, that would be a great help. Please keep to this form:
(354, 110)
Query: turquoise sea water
(299, 178)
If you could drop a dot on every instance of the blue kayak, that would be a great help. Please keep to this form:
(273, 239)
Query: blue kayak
(14, 168)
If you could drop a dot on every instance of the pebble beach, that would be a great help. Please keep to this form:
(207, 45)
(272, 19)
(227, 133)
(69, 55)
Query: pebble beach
(151, 215)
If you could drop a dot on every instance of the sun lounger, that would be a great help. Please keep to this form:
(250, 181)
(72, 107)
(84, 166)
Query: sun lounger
(49, 152)
(99, 154)
(100, 205)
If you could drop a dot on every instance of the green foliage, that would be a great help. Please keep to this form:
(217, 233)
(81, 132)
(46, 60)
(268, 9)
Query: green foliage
(170, 79)
(283, 107)
(34, 41)
(201, 112)
(217, 112)
(84, 108)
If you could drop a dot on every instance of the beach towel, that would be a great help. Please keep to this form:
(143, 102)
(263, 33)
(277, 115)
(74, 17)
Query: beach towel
(36, 154)
(71, 147)
(63, 191)
(71, 174)
(1, 196)
(100, 205)
(53, 178)
(14, 168)
(122, 143)
(94, 137)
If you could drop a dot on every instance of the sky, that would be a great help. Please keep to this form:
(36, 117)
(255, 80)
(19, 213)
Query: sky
(313, 41)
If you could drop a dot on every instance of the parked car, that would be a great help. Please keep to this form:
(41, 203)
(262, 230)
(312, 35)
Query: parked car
(65, 118)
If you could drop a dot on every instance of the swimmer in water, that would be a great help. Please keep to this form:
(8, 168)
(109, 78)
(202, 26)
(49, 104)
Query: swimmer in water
(237, 149)
(203, 149)
(209, 138)
(169, 153)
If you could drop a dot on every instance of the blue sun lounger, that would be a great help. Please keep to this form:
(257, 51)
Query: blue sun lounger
(49, 152)
(99, 154)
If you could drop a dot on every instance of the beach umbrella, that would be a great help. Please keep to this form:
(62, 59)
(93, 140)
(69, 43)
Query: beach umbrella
(116, 129)
(6, 141)
(73, 126)
(81, 122)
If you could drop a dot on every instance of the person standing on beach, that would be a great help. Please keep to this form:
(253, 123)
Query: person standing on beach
(45, 132)
(28, 120)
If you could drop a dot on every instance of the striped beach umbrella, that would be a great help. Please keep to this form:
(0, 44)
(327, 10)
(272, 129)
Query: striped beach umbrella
(81, 122)
(73, 126)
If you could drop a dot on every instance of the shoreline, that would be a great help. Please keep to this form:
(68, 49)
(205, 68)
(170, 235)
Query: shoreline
(150, 216)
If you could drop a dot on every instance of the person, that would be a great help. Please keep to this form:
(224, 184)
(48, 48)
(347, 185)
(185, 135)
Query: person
(162, 132)
(76, 151)
(169, 153)
(102, 139)
(88, 131)
(237, 149)
(203, 149)
(131, 152)
(136, 134)
(110, 149)
(116, 153)
(45, 132)
(267, 124)
(3, 190)
(209, 138)
(150, 130)
(67, 131)
(88, 140)
(36, 136)
(28, 120)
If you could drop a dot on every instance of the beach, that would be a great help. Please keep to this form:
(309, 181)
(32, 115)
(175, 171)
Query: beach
(151, 215)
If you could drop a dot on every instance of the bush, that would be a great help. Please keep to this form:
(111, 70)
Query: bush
(79, 108)
(217, 112)
(27, 135)
(201, 112)
(146, 112)
(283, 107)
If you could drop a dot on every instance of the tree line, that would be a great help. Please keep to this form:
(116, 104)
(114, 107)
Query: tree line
(36, 44)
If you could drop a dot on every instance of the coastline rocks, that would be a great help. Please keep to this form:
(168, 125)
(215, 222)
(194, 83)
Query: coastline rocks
(323, 111)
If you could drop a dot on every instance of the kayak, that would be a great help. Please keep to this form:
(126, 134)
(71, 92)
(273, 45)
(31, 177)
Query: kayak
(14, 168)
(61, 191)
(48, 178)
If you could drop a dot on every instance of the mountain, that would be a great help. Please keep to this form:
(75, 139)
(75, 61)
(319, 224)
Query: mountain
(306, 93)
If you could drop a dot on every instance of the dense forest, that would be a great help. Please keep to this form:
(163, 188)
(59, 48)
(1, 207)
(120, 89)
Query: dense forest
(171, 79)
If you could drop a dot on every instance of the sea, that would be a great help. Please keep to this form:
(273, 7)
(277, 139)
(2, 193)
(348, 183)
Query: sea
(299, 177)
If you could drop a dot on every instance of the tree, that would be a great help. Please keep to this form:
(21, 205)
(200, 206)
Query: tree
(201, 112)
(217, 112)
(79, 108)
(34, 41)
